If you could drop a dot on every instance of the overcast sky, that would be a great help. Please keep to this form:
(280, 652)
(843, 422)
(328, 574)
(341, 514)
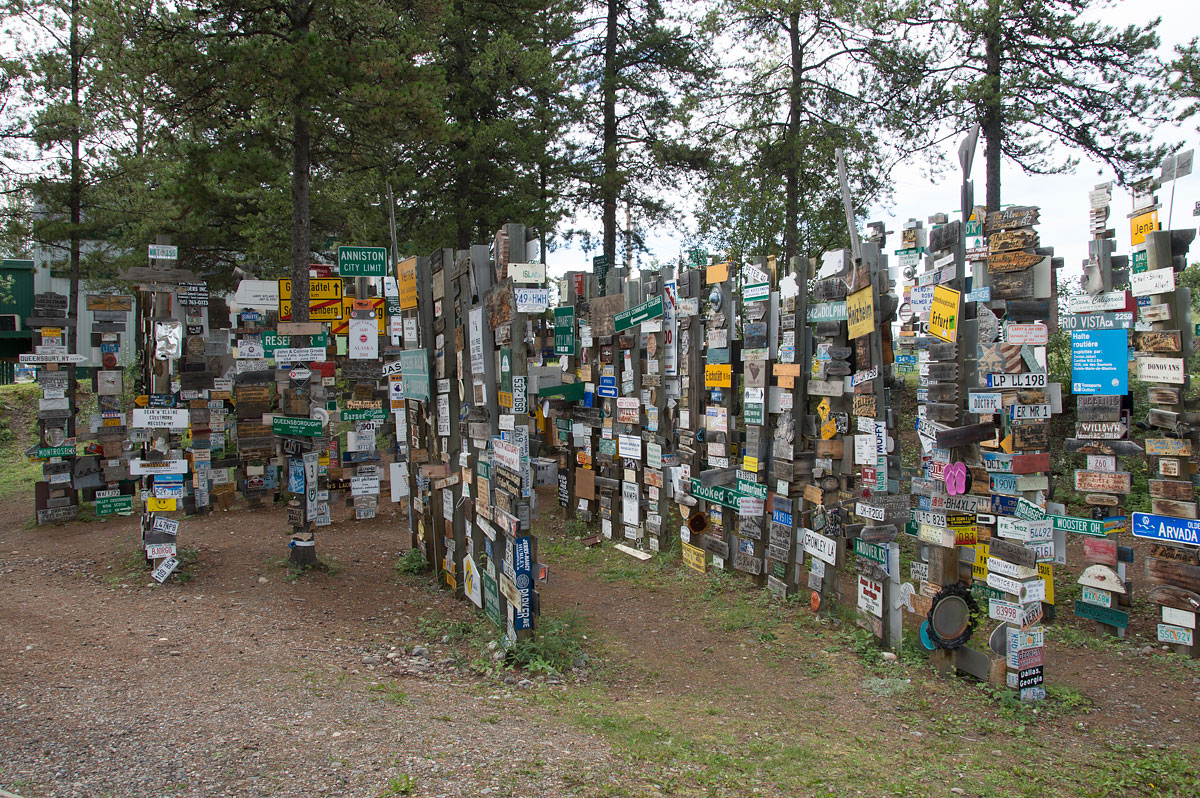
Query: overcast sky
(1063, 198)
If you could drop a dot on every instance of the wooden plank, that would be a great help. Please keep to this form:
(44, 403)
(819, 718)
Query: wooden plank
(1003, 262)
(1163, 394)
(1005, 240)
(1030, 463)
(1012, 285)
(1161, 571)
(1098, 408)
(964, 436)
(1103, 481)
(1183, 554)
(1100, 430)
(1031, 435)
(1010, 218)
(1158, 341)
(1172, 489)
(1027, 309)
(1174, 597)
(1173, 508)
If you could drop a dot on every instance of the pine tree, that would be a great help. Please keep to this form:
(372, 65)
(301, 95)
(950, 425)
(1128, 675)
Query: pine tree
(818, 76)
(1041, 81)
(277, 105)
(641, 71)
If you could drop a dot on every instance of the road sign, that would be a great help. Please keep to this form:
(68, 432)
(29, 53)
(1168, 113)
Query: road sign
(650, 309)
(362, 261)
(1167, 529)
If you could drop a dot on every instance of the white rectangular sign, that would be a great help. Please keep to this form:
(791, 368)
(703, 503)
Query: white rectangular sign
(158, 417)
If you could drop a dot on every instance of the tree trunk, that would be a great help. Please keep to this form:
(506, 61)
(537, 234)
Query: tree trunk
(610, 180)
(76, 198)
(791, 158)
(992, 117)
(301, 180)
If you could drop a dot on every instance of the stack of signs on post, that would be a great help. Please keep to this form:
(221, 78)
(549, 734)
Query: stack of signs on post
(751, 464)
(1164, 342)
(629, 430)
(944, 515)
(690, 418)
(110, 426)
(714, 482)
(300, 426)
(254, 399)
(878, 511)
(791, 467)
(1014, 370)
(56, 498)
(838, 446)
(656, 336)
(1099, 326)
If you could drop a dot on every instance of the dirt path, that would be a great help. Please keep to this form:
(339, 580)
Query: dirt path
(230, 685)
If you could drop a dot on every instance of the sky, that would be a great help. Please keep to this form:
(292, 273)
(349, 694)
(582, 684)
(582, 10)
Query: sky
(1063, 199)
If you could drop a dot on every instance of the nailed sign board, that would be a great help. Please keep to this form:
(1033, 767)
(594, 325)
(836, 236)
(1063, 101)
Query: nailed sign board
(860, 309)
(527, 273)
(1166, 529)
(362, 261)
(821, 547)
(1158, 281)
(160, 417)
(1096, 321)
(1161, 369)
(627, 319)
(943, 314)
(1085, 303)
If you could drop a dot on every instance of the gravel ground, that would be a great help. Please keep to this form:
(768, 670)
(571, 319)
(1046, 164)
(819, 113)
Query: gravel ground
(241, 684)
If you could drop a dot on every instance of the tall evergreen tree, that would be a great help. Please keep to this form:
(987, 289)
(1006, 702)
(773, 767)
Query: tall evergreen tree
(1042, 81)
(506, 107)
(818, 76)
(641, 70)
(279, 104)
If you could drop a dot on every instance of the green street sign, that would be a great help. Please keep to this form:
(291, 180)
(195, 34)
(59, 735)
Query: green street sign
(754, 413)
(491, 597)
(111, 505)
(369, 414)
(1139, 261)
(564, 330)
(748, 488)
(718, 494)
(1102, 614)
(414, 365)
(272, 340)
(362, 261)
(650, 309)
(569, 392)
(296, 425)
(872, 551)
(1082, 526)
(42, 452)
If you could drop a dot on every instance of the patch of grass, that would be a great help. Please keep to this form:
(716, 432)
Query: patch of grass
(292, 573)
(128, 567)
(403, 784)
(389, 692)
(18, 413)
(411, 563)
(189, 564)
(434, 629)
(553, 648)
